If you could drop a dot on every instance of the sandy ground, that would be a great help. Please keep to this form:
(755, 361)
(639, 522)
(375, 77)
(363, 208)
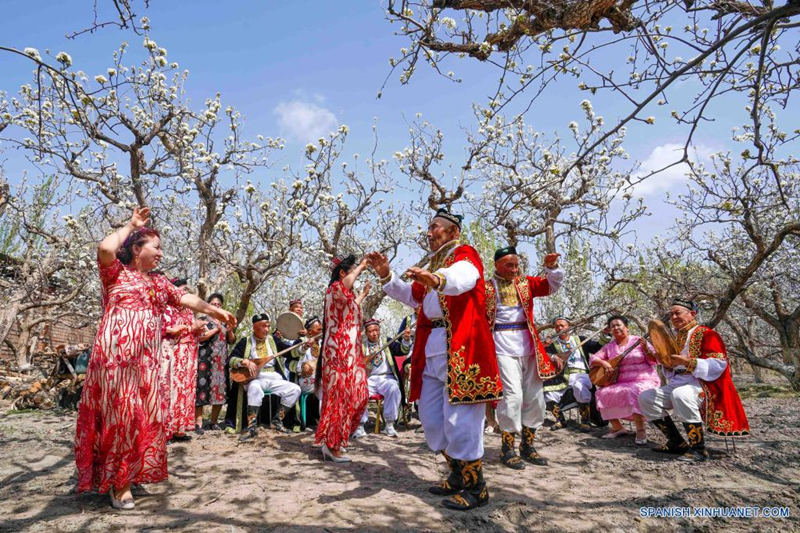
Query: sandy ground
(279, 483)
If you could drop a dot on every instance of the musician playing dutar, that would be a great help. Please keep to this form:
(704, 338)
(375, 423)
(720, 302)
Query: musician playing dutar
(699, 389)
(521, 358)
(382, 378)
(453, 363)
(261, 345)
(572, 385)
(636, 373)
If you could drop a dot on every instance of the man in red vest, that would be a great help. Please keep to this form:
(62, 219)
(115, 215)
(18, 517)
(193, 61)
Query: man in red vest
(699, 388)
(453, 365)
(522, 359)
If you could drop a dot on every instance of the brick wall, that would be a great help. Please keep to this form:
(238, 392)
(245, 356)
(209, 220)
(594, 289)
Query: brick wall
(63, 332)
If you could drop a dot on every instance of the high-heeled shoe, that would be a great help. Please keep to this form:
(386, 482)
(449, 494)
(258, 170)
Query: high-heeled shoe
(125, 505)
(327, 454)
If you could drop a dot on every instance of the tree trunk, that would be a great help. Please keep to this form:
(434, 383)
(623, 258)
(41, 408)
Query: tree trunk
(8, 314)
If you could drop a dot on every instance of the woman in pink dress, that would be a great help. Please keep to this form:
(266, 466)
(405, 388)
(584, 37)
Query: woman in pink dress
(120, 436)
(179, 349)
(344, 375)
(637, 373)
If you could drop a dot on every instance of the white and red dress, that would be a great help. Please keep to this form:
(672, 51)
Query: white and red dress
(120, 436)
(344, 375)
(179, 372)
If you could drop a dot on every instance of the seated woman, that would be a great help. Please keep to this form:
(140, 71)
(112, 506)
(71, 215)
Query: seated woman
(637, 373)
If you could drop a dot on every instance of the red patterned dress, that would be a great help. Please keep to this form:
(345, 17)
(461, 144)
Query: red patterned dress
(120, 433)
(344, 375)
(179, 372)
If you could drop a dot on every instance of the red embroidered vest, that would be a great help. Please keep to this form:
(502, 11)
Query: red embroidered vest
(527, 287)
(472, 373)
(723, 412)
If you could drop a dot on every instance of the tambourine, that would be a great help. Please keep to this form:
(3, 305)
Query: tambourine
(289, 325)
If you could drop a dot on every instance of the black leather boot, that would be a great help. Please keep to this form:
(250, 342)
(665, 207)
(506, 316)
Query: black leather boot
(277, 420)
(474, 494)
(675, 444)
(454, 483)
(508, 454)
(697, 452)
(527, 450)
(585, 412)
(555, 410)
(252, 423)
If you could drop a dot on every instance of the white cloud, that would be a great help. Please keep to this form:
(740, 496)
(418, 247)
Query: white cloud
(305, 121)
(660, 157)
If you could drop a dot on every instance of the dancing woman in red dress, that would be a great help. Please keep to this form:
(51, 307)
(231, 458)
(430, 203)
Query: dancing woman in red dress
(120, 434)
(179, 368)
(344, 375)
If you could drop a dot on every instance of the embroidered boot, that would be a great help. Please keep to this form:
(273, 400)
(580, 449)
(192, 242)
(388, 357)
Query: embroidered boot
(526, 449)
(697, 446)
(252, 423)
(277, 420)
(555, 410)
(508, 453)
(585, 412)
(675, 443)
(453, 483)
(474, 494)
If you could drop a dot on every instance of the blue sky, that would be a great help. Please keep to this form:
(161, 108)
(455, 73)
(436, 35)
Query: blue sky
(286, 64)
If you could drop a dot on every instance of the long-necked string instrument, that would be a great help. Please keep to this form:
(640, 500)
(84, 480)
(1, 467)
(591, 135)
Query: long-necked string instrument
(242, 375)
(568, 353)
(602, 377)
(390, 341)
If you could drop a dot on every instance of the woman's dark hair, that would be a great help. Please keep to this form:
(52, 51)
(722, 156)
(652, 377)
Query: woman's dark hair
(178, 282)
(215, 295)
(137, 238)
(621, 318)
(342, 266)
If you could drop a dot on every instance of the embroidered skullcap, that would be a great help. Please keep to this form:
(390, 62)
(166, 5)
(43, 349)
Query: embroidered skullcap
(688, 304)
(295, 302)
(371, 322)
(259, 317)
(448, 216)
(502, 252)
(565, 319)
(311, 321)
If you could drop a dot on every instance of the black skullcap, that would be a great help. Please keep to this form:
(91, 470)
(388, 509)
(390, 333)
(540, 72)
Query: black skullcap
(310, 322)
(259, 317)
(502, 252)
(450, 217)
(688, 304)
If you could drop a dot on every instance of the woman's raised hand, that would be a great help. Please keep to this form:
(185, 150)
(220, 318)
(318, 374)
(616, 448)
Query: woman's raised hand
(140, 217)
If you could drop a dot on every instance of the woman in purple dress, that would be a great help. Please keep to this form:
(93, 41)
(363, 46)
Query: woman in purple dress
(637, 373)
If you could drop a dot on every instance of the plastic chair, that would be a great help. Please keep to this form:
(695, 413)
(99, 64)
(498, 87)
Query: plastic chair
(303, 399)
(378, 399)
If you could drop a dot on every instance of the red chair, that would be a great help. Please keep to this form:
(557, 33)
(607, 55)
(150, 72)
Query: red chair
(378, 399)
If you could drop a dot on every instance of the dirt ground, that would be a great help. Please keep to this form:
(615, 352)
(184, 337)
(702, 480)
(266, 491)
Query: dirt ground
(279, 483)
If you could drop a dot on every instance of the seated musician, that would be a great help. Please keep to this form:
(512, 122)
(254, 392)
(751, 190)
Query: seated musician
(572, 385)
(700, 375)
(307, 367)
(267, 377)
(402, 348)
(383, 379)
(637, 373)
(296, 307)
